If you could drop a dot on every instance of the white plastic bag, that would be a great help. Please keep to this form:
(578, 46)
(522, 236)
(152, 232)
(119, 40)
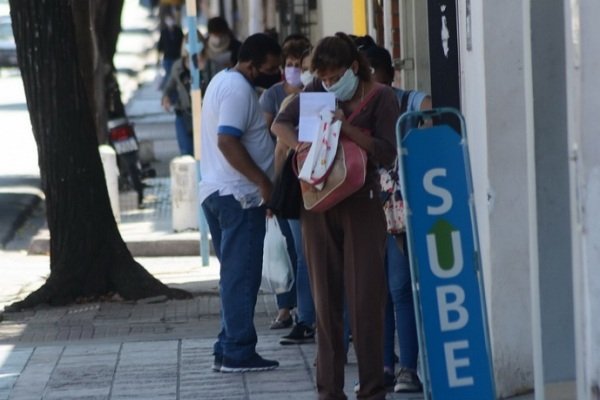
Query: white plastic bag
(277, 272)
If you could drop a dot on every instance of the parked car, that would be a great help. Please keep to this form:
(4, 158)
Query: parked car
(8, 48)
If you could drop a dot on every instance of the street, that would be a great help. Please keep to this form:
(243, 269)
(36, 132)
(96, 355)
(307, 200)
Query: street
(18, 151)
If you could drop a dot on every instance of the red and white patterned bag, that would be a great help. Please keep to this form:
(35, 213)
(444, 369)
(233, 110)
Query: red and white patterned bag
(393, 205)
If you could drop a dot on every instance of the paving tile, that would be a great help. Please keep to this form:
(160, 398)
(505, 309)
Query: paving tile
(33, 379)
(12, 363)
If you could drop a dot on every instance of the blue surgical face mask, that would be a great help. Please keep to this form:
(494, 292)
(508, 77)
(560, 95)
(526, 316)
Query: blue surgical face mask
(345, 87)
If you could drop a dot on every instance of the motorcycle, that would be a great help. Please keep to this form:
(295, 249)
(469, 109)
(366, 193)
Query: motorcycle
(121, 136)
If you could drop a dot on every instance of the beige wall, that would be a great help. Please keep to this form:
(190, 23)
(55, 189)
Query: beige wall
(333, 16)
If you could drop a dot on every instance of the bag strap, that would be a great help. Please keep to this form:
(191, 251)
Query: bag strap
(366, 100)
(403, 108)
(404, 101)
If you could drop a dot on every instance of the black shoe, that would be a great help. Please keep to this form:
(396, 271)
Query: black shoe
(388, 380)
(300, 334)
(252, 364)
(407, 381)
(217, 363)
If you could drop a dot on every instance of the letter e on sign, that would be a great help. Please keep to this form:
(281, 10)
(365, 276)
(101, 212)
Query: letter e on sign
(453, 363)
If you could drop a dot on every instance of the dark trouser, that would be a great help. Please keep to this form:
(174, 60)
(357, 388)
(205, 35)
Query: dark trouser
(345, 249)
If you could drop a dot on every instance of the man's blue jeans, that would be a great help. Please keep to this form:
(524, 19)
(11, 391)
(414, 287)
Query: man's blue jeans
(238, 236)
(304, 299)
(400, 303)
(185, 140)
(167, 64)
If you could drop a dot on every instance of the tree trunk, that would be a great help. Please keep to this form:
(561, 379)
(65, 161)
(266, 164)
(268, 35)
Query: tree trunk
(88, 257)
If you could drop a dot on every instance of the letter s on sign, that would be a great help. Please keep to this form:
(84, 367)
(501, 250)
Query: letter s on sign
(438, 191)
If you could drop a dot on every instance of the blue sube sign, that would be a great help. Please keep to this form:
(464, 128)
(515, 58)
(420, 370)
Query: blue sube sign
(445, 265)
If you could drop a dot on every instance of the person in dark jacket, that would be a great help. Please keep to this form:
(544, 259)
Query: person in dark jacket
(169, 45)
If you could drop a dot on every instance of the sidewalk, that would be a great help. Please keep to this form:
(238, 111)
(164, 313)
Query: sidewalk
(149, 349)
(146, 350)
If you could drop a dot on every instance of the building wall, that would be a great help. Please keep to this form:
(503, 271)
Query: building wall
(334, 16)
(494, 104)
(583, 62)
(554, 270)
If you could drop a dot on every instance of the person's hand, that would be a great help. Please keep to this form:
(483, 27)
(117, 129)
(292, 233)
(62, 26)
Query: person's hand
(266, 190)
(339, 115)
(166, 103)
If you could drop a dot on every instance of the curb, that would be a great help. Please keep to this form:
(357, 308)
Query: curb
(40, 245)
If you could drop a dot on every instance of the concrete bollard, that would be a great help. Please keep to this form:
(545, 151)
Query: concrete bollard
(184, 193)
(111, 172)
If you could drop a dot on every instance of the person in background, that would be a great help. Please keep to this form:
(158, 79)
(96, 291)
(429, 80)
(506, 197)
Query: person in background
(176, 94)
(220, 52)
(169, 8)
(345, 245)
(169, 45)
(296, 57)
(400, 314)
(237, 173)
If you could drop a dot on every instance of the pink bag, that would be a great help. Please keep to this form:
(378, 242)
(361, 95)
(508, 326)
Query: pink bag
(346, 175)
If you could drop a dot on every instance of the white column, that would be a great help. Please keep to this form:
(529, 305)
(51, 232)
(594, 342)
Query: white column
(388, 38)
(255, 16)
(271, 14)
(228, 14)
(214, 8)
(370, 17)
(583, 58)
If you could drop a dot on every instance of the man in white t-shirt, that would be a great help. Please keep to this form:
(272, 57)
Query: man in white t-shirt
(237, 172)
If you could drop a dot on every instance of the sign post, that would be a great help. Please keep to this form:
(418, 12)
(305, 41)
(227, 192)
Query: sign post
(445, 261)
(195, 48)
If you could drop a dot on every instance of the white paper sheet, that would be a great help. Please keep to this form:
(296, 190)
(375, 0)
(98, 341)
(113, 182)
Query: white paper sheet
(311, 105)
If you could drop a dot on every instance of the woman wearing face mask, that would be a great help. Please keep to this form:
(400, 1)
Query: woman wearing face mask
(292, 53)
(345, 245)
(294, 49)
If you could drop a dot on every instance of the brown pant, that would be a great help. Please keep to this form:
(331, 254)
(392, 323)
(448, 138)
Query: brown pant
(345, 249)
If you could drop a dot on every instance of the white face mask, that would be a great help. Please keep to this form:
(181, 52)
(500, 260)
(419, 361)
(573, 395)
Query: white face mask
(345, 87)
(218, 42)
(292, 76)
(306, 78)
